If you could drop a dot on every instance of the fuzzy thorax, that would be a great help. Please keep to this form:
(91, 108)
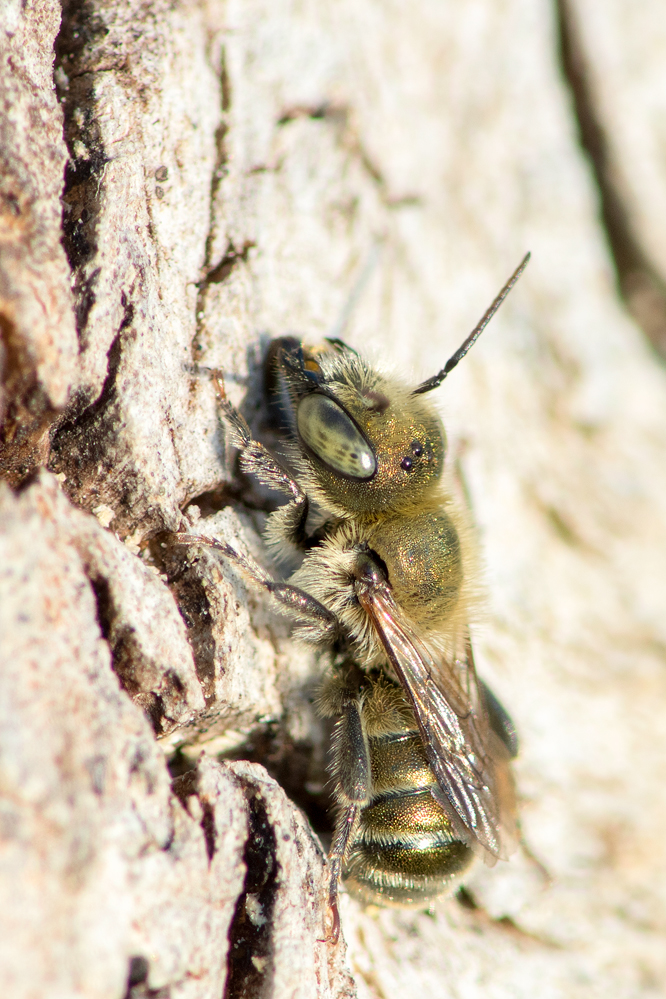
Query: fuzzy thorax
(429, 560)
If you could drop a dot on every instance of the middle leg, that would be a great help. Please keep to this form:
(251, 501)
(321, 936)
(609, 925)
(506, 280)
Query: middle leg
(315, 622)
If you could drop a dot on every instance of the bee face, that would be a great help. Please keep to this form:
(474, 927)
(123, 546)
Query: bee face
(371, 446)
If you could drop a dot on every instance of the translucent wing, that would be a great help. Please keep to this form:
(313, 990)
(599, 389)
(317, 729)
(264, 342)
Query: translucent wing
(468, 759)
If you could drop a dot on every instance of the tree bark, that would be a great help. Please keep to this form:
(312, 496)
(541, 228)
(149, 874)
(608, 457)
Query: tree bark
(178, 184)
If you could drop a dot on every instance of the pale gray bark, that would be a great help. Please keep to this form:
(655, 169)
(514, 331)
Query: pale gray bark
(236, 171)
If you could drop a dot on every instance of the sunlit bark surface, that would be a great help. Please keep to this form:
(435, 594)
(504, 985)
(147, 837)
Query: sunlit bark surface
(178, 184)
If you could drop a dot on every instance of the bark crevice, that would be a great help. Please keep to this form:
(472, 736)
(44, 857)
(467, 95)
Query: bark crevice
(639, 284)
(250, 959)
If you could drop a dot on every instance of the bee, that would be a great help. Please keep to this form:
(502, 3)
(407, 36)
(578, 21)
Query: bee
(421, 747)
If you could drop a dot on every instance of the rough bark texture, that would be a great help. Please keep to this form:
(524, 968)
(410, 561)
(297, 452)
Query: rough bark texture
(178, 184)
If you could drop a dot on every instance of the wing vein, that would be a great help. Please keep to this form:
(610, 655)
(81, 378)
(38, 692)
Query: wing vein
(473, 781)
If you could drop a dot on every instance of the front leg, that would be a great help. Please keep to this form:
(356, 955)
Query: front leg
(288, 524)
(314, 622)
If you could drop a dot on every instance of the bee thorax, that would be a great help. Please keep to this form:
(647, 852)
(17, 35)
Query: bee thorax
(423, 560)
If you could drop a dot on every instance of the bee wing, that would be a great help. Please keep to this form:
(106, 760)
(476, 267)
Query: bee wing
(469, 761)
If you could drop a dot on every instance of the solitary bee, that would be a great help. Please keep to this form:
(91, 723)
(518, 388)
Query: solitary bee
(421, 747)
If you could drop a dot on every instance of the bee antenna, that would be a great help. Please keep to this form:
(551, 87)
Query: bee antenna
(437, 379)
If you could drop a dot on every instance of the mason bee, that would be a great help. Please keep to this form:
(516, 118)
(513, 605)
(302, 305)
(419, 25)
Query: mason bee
(421, 748)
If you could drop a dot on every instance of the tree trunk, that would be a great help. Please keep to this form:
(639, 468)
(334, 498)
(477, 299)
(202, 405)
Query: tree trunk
(180, 183)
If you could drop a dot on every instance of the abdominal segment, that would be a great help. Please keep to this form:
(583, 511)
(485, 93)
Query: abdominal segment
(405, 850)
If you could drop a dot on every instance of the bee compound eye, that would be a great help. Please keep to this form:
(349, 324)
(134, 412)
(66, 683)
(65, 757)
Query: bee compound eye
(331, 434)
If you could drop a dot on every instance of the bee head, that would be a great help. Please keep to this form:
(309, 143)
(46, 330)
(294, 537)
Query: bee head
(371, 445)
(371, 451)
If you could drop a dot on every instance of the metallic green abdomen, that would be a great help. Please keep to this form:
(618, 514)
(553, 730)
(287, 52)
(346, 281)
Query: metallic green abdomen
(405, 850)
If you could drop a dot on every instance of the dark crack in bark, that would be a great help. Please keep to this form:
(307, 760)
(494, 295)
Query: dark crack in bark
(25, 412)
(298, 766)
(80, 442)
(186, 785)
(250, 960)
(81, 27)
(137, 981)
(137, 672)
(189, 590)
(639, 284)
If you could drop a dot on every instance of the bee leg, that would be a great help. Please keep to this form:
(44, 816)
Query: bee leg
(316, 622)
(353, 790)
(345, 827)
(500, 720)
(256, 460)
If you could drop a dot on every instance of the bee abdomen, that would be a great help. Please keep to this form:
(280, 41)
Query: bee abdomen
(399, 864)
(422, 869)
(409, 816)
(399, 762)
(405, 849)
